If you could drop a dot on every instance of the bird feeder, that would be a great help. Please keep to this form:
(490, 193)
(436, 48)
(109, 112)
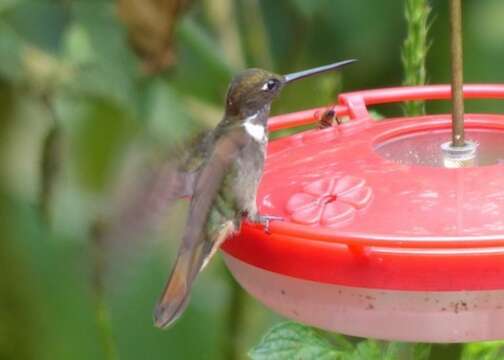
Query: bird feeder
(391, 230)
(383, 236)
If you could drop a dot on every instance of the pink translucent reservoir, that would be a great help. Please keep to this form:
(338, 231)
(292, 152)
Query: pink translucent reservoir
(380, 239)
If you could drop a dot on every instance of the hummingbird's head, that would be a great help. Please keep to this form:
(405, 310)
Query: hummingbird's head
(254, 89)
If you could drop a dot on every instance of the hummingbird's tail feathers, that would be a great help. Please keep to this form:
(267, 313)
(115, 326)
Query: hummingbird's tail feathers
(211, 247)
(176, 293)
(189, 263)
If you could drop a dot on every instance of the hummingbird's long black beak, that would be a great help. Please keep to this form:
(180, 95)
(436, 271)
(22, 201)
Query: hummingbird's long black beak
(305, 73)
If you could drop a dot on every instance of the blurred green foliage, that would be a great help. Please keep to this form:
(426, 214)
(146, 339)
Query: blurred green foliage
(69, 64)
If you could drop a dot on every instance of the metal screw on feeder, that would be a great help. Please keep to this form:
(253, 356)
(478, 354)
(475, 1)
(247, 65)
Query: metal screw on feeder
(458, 152)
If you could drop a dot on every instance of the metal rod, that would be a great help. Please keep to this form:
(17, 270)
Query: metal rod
(457, 74)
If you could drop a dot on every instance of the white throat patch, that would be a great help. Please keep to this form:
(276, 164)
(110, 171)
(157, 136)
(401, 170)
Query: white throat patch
(257, 131)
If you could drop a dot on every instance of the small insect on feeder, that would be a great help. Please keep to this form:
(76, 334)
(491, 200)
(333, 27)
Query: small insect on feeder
(389, 232)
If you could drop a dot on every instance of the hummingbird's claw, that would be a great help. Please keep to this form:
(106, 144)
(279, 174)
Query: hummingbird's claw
(265, 220)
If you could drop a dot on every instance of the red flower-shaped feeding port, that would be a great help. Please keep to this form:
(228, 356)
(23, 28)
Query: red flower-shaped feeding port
(330, 201)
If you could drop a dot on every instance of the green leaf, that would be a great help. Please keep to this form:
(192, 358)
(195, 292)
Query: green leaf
(291, 341)
(370, 350)
(413, 351)
(381, 350)
(340, 342)
(491, 350)
(421, 351)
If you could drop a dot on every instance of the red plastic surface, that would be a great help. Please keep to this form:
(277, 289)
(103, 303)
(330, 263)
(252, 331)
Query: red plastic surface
(356, 218)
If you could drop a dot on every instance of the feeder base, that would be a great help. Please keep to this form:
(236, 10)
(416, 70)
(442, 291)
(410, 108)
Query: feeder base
(414, 316)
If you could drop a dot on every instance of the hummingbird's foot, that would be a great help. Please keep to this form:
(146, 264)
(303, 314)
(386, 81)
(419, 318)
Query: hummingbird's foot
(265, 220)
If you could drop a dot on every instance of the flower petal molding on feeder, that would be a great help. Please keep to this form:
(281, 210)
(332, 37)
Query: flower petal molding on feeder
(380, 239)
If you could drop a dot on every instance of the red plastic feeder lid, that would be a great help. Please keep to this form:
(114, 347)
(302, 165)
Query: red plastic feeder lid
(368, 203)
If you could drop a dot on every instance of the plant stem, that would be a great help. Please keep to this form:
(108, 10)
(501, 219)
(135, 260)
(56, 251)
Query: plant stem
(231, 347)
(102, 313)
(457, 73)
(50, 163)
(414, 51)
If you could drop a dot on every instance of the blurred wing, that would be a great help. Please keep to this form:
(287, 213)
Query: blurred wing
(197, 246)
(147, 200)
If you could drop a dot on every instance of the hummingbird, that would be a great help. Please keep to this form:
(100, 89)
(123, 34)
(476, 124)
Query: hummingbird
(221, 174)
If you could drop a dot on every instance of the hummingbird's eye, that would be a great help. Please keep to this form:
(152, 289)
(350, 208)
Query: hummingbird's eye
(270, 85)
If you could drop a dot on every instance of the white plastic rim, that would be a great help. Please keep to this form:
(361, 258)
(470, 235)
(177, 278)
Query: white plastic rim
(415, 316)
(457, 157)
